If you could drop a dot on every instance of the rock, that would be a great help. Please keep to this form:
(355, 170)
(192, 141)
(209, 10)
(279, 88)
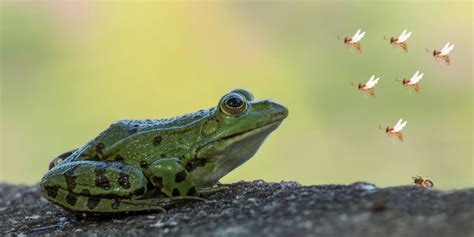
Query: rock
(259, 208)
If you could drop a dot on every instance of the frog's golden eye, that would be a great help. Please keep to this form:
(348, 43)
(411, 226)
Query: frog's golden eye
(233, 104)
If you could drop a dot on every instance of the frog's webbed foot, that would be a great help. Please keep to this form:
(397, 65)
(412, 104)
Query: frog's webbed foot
(174, 200)
(163, 203)
(146, 204)
(157, 204)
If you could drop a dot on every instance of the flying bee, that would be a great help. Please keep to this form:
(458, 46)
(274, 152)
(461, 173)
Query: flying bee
(443, 53)
(401, 40)
(369, 86)
(422, 182)
(396, 129)
(413, 81)
(354, 40)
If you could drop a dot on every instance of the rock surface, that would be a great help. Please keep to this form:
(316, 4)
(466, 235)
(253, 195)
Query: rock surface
(261, 209)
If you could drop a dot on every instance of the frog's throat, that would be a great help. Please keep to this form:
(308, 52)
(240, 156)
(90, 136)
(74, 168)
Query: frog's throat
(227, 154)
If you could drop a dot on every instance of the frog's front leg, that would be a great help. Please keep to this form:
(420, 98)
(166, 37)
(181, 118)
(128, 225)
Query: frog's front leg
(93, 186)
(171, 178)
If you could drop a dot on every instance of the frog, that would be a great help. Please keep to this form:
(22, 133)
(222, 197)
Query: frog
(147, 165)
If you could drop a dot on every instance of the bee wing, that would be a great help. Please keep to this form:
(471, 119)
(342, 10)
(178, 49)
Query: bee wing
(371, 83)
(400, 125)
(404, 36)
(447, 49)
(376, 81)
(370, 80)
(358, 36)
(419, 77)
(413, 78)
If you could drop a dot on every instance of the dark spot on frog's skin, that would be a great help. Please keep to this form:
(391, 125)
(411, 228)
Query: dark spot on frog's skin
(119, 158)
(144, 164)
(163, 155)
(100, 180)
(175, 192)
(157, 181)
(96, 157)
(139, 192)
(115, 204)
(99, 147)
(52, 191)
(70, 178)
(123, 180)
(180, 176)
(157, 140)
(92, 202)
(71, 199)
(136, 125)
(191, 191)
(193, 164)
(132, 130)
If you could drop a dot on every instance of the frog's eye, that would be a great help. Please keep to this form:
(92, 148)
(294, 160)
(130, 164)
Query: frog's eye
(233, 104)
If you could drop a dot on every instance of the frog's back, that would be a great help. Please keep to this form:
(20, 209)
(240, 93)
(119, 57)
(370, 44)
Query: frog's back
(125, 128)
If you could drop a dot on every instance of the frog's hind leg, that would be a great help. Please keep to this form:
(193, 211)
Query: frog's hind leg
(97, 204)
(94, 186)
(136, 205)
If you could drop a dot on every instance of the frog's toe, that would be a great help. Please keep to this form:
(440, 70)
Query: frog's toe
(211, 190)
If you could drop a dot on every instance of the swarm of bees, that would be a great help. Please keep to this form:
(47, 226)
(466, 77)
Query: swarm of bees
(412, 83)
(354, 42)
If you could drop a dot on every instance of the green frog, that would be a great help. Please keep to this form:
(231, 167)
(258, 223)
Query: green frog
(143, 165)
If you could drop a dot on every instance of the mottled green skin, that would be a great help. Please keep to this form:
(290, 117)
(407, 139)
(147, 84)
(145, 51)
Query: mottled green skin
(138, 165)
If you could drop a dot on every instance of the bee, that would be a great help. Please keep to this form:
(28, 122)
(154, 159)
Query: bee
(396, 130)
(401, 40)
(443, 53)
(422, 182)
(369, 86)
(354, 40)
(413, 81)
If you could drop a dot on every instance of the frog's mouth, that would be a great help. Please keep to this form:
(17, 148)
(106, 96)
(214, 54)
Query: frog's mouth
(230, 152)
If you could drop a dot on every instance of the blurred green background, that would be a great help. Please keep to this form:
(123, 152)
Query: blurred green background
(68, 70)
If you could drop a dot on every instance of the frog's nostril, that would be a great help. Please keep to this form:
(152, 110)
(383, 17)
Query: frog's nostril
(282, 111)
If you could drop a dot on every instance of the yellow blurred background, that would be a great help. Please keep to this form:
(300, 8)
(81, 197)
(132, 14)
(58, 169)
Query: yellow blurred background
(70, 69)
